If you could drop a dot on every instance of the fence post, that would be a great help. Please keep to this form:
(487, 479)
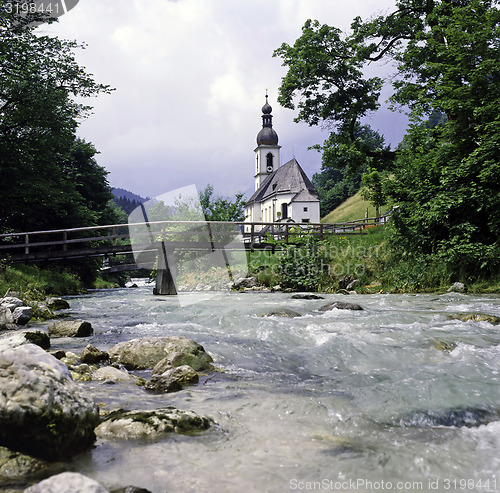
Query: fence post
(113, 233)
(26, 244)
(65, 239)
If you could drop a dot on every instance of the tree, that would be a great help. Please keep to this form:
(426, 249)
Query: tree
(444, 178)
(48, 178)
(222, 208)
(338, 179)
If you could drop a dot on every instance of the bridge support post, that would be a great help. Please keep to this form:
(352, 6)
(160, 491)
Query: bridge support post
(164, 280)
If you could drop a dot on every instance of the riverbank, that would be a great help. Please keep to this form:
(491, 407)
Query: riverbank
(308, 264)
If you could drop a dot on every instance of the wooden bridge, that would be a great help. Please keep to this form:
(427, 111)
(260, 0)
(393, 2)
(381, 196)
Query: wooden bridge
(116, 239)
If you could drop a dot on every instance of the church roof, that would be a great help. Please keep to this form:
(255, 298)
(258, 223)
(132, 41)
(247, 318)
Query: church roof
(289, 178)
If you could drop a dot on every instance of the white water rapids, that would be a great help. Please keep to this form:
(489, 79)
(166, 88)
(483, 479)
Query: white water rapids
(335, 401)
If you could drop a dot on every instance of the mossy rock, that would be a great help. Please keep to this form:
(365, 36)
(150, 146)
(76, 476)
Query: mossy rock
(39, 338)
(479, 317)
(340, 305)
(444, 346)
(123, 424)
(281, 312)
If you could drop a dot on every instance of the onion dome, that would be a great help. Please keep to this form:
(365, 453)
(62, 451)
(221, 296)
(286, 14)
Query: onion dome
(267, 136)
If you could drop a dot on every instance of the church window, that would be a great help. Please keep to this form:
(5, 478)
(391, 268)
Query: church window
(269, 161)
(305, 209)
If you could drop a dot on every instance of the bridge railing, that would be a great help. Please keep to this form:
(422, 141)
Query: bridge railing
(116, 239)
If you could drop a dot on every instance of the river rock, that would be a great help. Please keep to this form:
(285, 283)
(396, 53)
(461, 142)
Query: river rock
(110, 374)
(70, 328)
(11, 302)
(172, 380)
(340, 305)
(456, 417)
(39, 338)
(307, 297)
(281, 312)
(92, 355)
(43, 413)
(146, 352)
(22, 315)
(131, 489)
(151, 424)
(245, 282)
(57, 304)
(457, 287)
(176, 359)
(17, 466)
(67, 482)
(479, 317)
(6, 318)
(81, 373)
(12, 339)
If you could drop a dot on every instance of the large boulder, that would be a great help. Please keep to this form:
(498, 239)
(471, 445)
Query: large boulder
(151, 424)
(92, 355)
(57, 303)
(146, 352)
(70, 328)
(22, 315)
(67, 482)
(340, 305)
(172, 380)
(175, 359)
(110, 374)
(43, 413)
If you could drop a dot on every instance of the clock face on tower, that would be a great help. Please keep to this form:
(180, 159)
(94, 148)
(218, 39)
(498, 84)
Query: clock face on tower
(269, 169)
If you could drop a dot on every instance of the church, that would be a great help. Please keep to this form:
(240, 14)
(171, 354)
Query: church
(283, 193)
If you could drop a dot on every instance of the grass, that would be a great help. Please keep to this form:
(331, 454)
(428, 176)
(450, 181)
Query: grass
(353, 208)
(36, 284)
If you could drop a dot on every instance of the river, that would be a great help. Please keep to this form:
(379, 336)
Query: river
(336, 401)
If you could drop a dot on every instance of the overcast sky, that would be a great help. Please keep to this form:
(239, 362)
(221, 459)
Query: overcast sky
(190, 79)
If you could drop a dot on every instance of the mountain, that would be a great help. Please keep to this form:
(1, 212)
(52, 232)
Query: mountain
(127, 201)
(121, 192)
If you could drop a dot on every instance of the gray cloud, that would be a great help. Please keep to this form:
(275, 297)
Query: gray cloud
(191, 77)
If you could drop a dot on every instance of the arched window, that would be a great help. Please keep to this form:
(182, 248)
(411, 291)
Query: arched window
(269, 161)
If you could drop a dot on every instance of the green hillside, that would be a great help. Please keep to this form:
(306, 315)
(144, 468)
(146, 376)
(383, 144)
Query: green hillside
(352, 209)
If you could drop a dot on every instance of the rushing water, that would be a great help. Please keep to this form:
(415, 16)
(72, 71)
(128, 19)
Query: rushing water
(334, 401)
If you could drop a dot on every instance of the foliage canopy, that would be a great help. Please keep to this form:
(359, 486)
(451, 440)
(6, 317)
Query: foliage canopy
(48, 178)
(445, 177)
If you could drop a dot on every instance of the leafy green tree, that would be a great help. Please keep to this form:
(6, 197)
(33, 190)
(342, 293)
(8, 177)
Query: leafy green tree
(445, 178)
(222, 208)
(48, 178)
(337, 180)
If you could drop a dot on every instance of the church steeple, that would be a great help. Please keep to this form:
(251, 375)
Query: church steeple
(267, 154)
(267, 136)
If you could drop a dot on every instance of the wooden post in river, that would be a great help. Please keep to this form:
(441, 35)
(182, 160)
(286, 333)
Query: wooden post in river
(164, 280)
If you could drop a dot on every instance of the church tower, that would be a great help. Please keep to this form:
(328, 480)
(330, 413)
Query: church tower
(267, 153)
